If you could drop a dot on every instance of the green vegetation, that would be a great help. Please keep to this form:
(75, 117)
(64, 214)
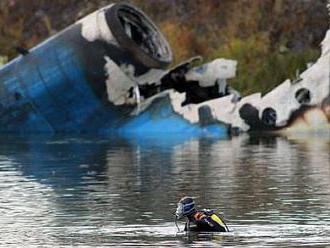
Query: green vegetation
(3, 60)
(260, 68)
(270, 39)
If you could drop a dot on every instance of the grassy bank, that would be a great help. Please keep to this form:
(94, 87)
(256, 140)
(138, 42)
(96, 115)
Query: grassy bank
(3, 60)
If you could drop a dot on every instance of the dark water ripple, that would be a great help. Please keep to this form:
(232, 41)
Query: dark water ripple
(93, 191)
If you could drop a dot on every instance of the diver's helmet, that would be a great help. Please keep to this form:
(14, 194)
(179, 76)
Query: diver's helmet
(185, 207)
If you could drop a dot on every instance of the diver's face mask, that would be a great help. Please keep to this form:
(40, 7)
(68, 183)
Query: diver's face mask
(184, 209)
(179, 211)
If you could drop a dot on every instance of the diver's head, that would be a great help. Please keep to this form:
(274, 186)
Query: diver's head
(186, 206)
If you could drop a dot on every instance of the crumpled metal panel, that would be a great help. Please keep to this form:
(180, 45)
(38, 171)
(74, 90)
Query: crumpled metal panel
(105, 74)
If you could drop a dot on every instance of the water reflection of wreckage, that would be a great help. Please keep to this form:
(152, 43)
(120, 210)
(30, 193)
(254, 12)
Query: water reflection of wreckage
(107, 73)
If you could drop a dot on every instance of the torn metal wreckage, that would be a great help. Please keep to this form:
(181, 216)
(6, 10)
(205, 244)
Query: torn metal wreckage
(107, 73)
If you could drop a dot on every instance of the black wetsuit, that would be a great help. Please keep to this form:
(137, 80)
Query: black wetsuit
(205, 221)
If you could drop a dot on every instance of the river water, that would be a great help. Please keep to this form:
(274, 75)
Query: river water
(94, 191)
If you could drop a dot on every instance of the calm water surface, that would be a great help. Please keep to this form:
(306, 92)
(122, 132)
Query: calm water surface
(94, 191)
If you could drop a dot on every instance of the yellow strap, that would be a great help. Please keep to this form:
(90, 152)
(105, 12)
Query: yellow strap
(217, 219)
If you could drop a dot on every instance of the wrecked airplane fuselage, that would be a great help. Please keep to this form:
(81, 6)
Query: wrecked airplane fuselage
(63, 85)
(299, 105)
(107, 73)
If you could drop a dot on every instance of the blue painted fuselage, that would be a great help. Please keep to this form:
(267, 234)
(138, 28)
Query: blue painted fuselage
(59, 87)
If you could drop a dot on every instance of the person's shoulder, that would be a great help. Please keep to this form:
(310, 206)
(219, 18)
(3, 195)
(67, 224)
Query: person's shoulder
(199, 215)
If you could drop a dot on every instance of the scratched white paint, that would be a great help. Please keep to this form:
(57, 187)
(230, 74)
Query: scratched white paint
(208, 74)
(95, 27)
(222, 109)
(118, 84)
(121, 80)
(151, 76)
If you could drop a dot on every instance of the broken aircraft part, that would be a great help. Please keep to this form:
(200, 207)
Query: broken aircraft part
(107, 73)
(76, 80)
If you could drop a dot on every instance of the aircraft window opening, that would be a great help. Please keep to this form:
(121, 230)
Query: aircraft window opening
(269, 117)
(303, 96)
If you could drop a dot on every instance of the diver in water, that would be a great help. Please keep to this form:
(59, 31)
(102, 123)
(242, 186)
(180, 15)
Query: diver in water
(199, 220)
